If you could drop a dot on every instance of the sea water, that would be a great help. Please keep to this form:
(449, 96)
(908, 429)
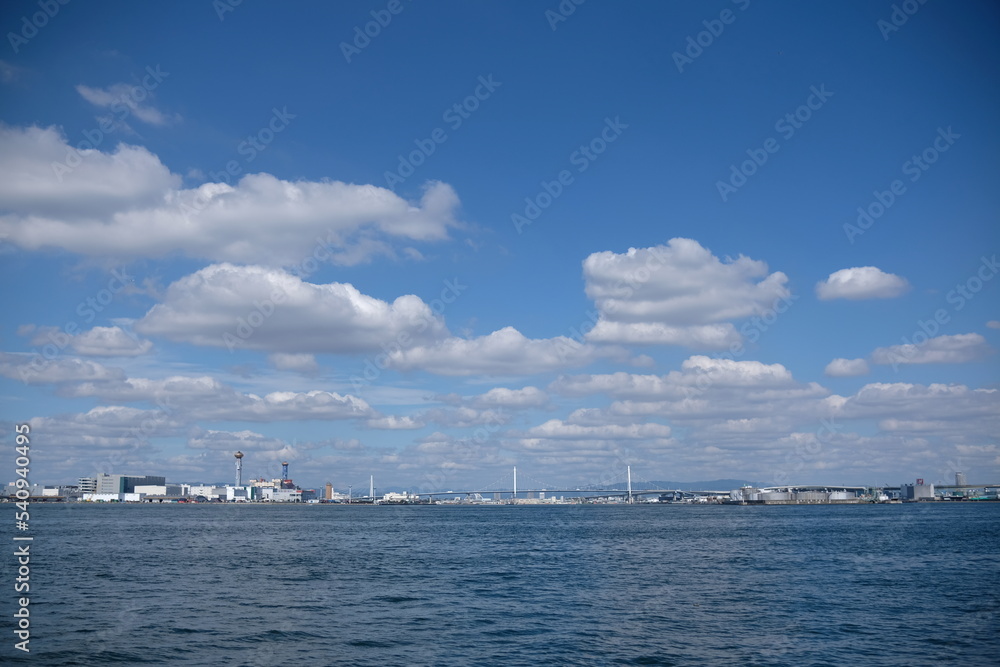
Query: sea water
(238, 584)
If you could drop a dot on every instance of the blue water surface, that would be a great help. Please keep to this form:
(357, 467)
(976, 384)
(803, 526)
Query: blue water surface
(256, 585)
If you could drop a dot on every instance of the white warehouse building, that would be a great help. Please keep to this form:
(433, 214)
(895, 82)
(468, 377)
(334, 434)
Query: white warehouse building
(207, 490)
(281, 495)
(162, 489)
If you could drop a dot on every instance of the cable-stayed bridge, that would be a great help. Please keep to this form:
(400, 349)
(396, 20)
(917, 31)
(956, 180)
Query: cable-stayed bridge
(625, 485)
(516, 484)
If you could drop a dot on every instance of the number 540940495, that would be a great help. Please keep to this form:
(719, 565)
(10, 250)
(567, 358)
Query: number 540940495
(22, 448)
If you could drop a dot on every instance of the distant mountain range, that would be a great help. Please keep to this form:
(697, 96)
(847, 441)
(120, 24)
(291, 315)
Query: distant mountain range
(714, 485)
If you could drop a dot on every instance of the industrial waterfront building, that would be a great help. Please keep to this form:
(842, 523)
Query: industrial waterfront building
(106, 487)
(795, 495)
(105, 483)
(916, 492)
(163, 489)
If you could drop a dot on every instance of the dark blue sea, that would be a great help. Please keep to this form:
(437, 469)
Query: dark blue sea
(265, 585)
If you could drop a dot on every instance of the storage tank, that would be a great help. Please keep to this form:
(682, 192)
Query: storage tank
(812, 496)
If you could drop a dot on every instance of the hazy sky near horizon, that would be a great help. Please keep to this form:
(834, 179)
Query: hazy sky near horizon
(431, 241)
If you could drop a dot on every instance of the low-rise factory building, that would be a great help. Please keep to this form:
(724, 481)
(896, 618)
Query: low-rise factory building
(794, 495)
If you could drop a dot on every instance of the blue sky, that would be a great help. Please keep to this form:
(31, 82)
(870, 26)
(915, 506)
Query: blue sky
(567, 237)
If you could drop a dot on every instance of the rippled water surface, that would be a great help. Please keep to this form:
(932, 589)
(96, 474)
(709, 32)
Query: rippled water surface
(511, 585)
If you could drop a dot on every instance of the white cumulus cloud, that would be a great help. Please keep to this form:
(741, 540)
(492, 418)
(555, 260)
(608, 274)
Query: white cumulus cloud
(698, 374)
(677, 294)
(37, 369)
(207, 398)
(234, 440)
(556, 428)
(502, 397)
(394, 423)
(39, 204)
(253, 307)
(957, 349)
(110, 424)
(504, 352)
(840, 368)
(127, 204)
(904, 406)
(861, 282)
(302, 363)
(109, 342)
(97, 342)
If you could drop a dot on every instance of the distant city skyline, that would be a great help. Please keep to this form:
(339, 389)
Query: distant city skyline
(430, 242)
